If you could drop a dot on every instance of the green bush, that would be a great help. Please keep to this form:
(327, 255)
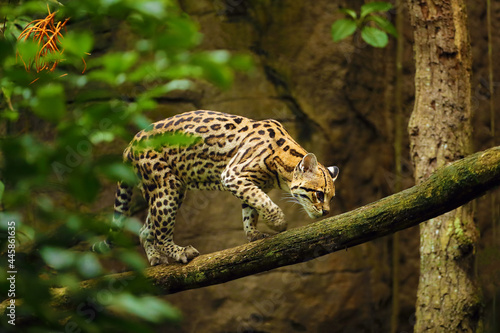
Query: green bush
(50, 169)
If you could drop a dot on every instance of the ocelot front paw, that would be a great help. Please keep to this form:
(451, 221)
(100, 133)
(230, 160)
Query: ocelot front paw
(158, 260)
(256, 235)
(185, 254)
(155, 257)
(275, 219)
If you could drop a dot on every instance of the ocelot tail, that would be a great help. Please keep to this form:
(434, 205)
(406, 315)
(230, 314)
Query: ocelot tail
(230, 153)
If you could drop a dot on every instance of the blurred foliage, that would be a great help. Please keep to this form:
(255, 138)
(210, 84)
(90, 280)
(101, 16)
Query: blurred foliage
(51, 130)
(374, 28)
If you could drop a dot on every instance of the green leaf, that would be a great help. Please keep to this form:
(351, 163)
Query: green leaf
(147, 307)
(384, 24)
(177, 85)
(6, 50)
(119, 172)
(374, 36)
(2, 189)
(155, 9)
(221, 76)
(132, 225)
(83, 184)
(101, 136)
(219, 56)
(373, 7)
(50, 103)
(141, 121)
(56, 2)
(119, 62)
(181, 34)
(77, 43)
(57, 258)
(213, 67)
(88, 265)
(7, 90)
(14, 26)
(146, 104)
(27, 50)
(241, 62)
(134, 260)
(164, 89)
(169, 139)
(342, 29)
(349, 12)
(9, 112)
(103, 76)
(6, 217)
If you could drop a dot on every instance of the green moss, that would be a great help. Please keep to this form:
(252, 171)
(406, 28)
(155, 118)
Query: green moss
(195, 277)
(459, 231)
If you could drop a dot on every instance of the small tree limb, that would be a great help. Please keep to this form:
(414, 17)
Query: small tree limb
(445, 190)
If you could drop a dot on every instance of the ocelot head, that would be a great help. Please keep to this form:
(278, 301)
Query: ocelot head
(313, 185)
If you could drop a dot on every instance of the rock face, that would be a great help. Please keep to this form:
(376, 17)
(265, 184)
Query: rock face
(330, 97)
(337, 100)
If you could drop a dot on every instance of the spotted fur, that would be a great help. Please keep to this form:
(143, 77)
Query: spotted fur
(231, 153)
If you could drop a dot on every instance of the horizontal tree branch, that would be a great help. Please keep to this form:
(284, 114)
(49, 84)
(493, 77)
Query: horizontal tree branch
(447, 189)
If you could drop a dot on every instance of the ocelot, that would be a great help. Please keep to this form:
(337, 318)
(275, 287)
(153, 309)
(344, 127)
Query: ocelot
(231, 153)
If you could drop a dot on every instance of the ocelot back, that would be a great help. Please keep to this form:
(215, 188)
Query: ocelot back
(233, 153)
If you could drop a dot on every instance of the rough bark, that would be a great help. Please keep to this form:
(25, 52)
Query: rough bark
(447, 189)
(448, 298)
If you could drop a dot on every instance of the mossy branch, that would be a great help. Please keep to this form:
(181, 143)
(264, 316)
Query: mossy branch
(447, 189)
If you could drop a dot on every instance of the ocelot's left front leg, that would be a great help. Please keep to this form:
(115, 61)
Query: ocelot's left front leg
(250, 218)
(255, 198)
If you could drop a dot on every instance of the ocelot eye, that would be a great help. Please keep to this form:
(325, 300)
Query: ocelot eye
(304, 196)
(320, 196)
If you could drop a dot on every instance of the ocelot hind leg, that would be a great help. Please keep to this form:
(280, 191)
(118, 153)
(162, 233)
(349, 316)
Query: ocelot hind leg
(148, 240)
(163, 208)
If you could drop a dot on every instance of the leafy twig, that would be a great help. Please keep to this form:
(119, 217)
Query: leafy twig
(375, 36)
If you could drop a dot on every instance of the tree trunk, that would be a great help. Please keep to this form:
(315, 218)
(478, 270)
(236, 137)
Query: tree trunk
(448, 297)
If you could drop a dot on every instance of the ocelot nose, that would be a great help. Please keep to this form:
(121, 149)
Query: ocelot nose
(325, 212)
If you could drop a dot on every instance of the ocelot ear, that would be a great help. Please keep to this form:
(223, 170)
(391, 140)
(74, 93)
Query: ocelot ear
(309, 163)
(334, 172)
